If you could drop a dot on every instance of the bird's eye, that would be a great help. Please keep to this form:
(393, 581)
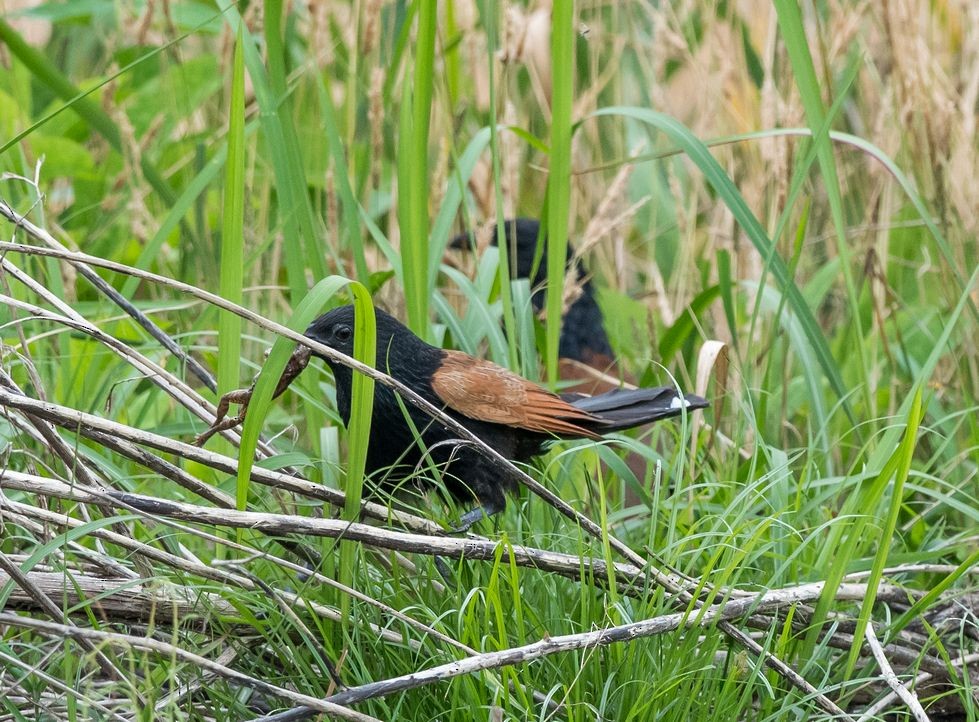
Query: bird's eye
(342, 333)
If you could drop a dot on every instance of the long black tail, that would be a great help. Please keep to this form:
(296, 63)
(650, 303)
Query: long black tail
(625, 408)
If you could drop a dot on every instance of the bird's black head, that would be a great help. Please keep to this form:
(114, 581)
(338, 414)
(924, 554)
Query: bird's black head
(398, 349)
(336, 329)
(400, 352)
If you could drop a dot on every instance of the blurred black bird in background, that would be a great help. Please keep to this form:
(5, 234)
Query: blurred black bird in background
(583, 336)
(509, 413)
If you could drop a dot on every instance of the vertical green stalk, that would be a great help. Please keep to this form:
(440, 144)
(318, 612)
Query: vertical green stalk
(901, 466)
(349, 230)
(231, 275)
(804, 71)
(451, 56)
(559, 176)
(359, 429)
(362, 390)
(298, 221)
(413, 172)
(509, 321)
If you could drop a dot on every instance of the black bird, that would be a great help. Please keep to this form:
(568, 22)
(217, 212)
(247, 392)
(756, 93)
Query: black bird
(511, 414)
(583, 337)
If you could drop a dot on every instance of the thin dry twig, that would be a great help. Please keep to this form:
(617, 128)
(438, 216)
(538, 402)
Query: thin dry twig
(572, 642)
(906, 694)
(13, 510)
(84, 423)
(566, 564)
(877, 709)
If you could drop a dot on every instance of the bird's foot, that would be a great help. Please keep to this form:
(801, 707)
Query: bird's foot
(468, 519)
(485, 511)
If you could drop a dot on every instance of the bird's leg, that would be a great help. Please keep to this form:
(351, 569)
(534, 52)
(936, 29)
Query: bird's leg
(442, 567)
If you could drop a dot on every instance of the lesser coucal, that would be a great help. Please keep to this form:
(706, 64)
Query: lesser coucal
(511, 414)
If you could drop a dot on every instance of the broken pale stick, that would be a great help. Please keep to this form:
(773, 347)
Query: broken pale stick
(294, 366)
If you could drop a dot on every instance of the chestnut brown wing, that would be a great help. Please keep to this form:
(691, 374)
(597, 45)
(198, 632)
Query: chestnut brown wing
(484, 391)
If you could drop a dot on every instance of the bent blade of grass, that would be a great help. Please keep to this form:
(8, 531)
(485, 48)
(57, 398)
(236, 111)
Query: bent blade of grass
(362, 404)
(268, 378)
(860, 144)
(732, 198)
(874, 152)
(800, 173)
(358, 431)
(360, 415)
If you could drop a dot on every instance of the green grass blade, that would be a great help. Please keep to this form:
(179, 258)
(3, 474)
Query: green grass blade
(559, 174)
(362, 404)
(308, 309)
(864, 146)
(232, 228)
(413, 173)
(902, 458)
(359, 429)
(797, 45)
(914, 612)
